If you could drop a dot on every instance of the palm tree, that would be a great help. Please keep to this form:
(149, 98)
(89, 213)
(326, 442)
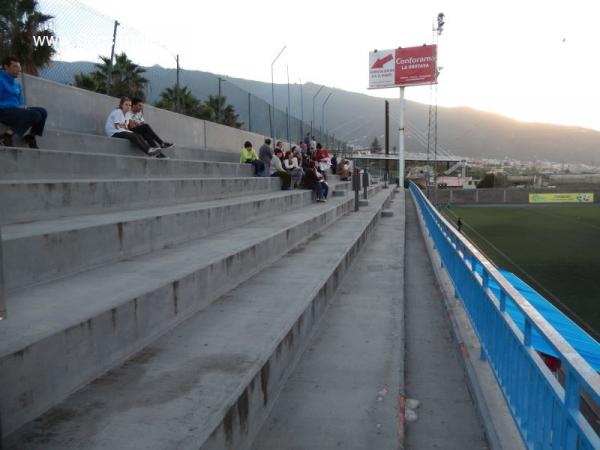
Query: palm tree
(20, 22)
(126, 78)
(85, 81)
(218, 111)
(180, 99)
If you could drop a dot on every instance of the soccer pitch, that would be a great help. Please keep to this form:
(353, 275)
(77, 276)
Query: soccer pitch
(554, 249)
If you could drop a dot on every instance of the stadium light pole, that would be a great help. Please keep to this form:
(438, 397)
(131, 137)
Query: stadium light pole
(273, 92)
(289, 108)
(301, 111)
(221, 80)
(313, 114)
(323, 116)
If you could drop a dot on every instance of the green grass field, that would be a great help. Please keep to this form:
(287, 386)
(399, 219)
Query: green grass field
(558, 246)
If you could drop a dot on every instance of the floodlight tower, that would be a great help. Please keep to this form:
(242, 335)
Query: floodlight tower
(433, 102)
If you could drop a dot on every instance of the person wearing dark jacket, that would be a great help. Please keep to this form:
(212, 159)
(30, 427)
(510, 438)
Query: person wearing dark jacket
(13, 112)
(265, 154)
(314, 180)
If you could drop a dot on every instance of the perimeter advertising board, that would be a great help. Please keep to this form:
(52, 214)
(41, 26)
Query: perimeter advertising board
(403, 67)
(585, 197)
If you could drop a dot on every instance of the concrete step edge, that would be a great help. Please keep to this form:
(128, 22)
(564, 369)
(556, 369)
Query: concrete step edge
(51, 253)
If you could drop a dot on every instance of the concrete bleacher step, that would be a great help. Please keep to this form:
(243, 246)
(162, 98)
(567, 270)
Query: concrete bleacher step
(26, 163)
(64, 333)
(29, 200)
(209, 382)
(41, 251)
(82, 142)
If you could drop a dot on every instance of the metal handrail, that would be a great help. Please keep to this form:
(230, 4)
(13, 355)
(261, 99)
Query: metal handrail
(549, 402)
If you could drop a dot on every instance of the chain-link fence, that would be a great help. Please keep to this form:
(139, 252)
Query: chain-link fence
(100, 53)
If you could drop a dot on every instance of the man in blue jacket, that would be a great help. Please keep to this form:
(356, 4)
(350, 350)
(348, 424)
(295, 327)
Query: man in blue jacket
(13, 111)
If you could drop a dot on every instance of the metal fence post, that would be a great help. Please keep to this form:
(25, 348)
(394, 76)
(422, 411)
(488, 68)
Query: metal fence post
(356, 186)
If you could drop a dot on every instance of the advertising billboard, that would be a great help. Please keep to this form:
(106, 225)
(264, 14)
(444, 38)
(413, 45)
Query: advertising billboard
(403, 67)
(586, 197)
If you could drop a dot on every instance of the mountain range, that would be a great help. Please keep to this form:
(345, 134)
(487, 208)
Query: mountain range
(357, 118)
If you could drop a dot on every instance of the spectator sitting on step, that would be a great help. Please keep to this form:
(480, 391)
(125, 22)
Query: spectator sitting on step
(312, 180)
(290, 163)
(249, 156)
(13, 111)
(298, 155)
(116, 126)
(344, 170)
(265, 154)
(322, 158)
(277, 170)
(334, 164)
(137, 124)
(279, 146)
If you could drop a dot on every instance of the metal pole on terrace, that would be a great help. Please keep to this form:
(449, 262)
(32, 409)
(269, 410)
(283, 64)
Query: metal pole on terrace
(272, 110)
(289, 108)
(401, 141)
(323, 116)
(312, 122)
(219, 100)
(301, 111)
(112, 56)
(249, 112)
(177, 94)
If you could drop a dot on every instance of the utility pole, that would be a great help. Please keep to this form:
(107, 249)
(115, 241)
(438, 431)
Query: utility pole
(301, 111)
(289, 108)
(313, 112)
(177, 90)
(272, 110)
(112, 56)
(219, 100)
(323, 117)
(249, 113)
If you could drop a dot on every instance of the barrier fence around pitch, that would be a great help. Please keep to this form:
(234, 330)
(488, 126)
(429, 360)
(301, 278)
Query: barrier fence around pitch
(547, 413)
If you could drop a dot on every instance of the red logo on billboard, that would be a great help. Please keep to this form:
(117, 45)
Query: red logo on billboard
(416, 65)
(382, 62)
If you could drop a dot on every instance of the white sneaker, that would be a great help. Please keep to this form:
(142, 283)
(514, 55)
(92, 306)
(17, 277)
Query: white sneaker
(153, 151)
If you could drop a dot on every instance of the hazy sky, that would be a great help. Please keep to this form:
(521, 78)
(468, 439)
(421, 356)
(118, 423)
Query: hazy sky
(531, 60)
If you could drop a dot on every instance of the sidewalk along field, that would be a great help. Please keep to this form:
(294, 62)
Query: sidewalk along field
(554, 249)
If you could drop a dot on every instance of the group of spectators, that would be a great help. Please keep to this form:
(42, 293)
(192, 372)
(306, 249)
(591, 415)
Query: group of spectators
(305, 165)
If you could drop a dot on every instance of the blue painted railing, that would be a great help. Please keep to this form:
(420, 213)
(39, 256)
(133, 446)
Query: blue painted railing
(547, 413)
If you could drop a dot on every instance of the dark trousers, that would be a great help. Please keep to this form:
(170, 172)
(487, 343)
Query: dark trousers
(286, 179)
(21, 119)
(258, 165)
(135, 139)
(148, 134)
(323, 189)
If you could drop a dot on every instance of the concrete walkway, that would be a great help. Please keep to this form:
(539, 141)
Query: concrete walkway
(344, 391)
(447, 418)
